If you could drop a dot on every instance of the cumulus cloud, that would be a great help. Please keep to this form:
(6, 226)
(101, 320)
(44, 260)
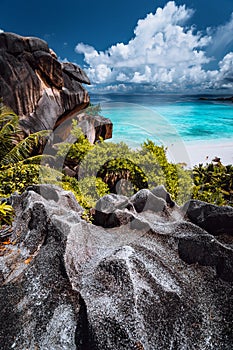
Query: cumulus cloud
(163, 53)
(224, 77)
(1, 30)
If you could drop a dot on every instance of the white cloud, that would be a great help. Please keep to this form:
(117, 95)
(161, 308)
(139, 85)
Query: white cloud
(163, 53)
(226, 65)
(115, 88)
(1, 30)
(224, 78)
(122, 77)
(102, 73)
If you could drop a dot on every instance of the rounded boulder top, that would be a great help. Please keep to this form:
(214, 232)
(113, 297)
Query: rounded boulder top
(15, 44)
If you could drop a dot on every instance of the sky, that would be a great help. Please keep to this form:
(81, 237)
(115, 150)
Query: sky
(134, 45)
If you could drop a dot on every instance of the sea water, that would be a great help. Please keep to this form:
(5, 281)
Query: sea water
(166, 119)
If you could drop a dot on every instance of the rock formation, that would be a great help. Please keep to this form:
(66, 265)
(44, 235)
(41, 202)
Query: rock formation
(153, 281)
(215, 220)
(42, 91)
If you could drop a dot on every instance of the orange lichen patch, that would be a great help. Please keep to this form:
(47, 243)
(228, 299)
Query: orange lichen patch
(28, 260)
(4, 244)
(7, 242)
(4, 248)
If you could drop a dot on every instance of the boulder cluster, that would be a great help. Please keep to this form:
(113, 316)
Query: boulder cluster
(146, 274)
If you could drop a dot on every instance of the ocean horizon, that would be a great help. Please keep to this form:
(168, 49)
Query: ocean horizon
(166, 118)
(184, 124)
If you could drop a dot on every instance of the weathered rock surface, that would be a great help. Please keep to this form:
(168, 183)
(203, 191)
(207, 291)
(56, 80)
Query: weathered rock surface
(215, 220)
(207, 251)
(41, 90)
(68, 284)
(93, 126)
(160, 191)
(39, 308)
(108, 211)
(146, 200)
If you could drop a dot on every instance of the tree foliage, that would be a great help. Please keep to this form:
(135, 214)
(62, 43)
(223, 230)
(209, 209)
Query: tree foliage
(102, 168)
(6, 214)
(19, 158)
(126, 170)
(214, 183)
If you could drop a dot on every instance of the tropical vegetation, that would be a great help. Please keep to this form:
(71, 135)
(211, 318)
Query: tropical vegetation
(101, 168)
(213, 183)
(19, 154)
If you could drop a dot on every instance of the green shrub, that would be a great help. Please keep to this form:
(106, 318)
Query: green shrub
(18, 178)
(104, 167)
(134, 169)
(213, 183)
(123, 176)
(92, 189)
(71, 184)
(6, 214)
(19, 159)
(153, 161)
(76, 151)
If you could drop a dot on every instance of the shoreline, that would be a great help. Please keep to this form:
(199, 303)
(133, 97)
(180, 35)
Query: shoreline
(201, 152)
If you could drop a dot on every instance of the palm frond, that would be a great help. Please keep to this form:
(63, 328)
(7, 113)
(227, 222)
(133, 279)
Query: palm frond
(6, 114)
(9, 133)
(24, 148)
(10, 130)
(38, 159)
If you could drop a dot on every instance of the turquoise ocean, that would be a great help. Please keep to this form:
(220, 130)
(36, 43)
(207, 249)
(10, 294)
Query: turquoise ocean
(166, 119)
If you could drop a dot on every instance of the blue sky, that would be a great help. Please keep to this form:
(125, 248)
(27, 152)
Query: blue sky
(135, 45)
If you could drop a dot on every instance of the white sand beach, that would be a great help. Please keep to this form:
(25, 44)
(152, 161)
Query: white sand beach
(196, 152)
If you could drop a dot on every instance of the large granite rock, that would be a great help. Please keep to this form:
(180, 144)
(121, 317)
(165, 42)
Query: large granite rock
(160, 191)
(146, 200)
(108, 211)
(34, 283)
(68, 284)
(214, 219)
(42, 91)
